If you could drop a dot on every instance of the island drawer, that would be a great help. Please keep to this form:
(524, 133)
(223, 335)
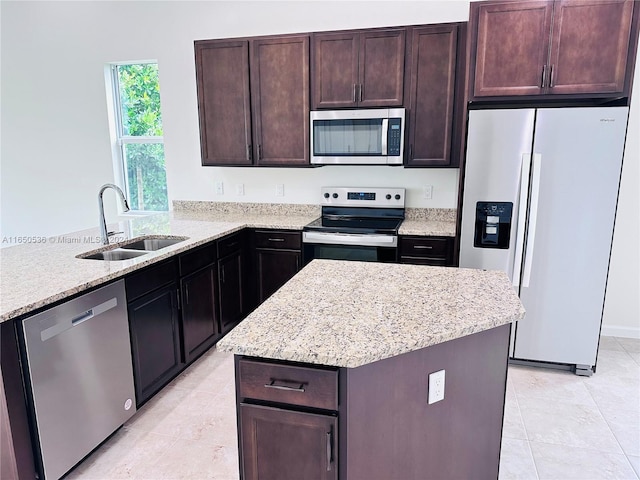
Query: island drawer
(292, 384)
(277, 239)
(229, 244)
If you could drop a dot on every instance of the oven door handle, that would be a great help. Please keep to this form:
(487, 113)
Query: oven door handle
(372, 240)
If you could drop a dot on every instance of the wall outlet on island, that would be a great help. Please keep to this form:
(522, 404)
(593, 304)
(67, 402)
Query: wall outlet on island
(280, 190)
(436, 386)
(219, 187)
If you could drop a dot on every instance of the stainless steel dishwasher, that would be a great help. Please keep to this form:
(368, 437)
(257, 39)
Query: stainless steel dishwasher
(80, 374)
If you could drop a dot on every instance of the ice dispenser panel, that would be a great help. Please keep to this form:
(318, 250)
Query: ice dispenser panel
(493, 224)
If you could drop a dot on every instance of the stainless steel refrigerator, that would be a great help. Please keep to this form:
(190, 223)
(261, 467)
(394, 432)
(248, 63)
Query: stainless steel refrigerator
(539, 202)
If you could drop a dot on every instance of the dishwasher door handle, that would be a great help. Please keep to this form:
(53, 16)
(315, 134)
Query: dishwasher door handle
(65, 323)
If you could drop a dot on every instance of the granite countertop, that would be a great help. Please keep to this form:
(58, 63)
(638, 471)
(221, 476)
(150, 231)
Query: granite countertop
(36, 274)
(348, 314)
(44, 270)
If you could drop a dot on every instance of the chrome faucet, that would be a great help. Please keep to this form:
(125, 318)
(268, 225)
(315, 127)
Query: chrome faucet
(104, 235)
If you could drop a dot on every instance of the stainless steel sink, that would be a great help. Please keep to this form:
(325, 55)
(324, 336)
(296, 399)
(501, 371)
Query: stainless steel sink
(116, 254)
(152, 244)
(133, 249)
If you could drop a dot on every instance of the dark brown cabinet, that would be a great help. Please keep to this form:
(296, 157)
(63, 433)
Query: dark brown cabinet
(277, 258)
(358, 69)
(231, 282)
(199, 326)
(562, 47)
(436, 251)
(198, 272)
(152, 296)
(436, 55)
(253, 100)
(287, 445)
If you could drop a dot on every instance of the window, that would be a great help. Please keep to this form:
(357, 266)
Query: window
(139, 149)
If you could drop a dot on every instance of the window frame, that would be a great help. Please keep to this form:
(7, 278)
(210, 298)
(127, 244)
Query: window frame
(118, 139)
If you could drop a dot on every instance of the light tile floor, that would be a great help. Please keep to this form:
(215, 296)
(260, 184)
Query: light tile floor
(557, 425)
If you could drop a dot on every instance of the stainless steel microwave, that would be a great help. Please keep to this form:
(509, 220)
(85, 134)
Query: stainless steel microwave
(357, 137)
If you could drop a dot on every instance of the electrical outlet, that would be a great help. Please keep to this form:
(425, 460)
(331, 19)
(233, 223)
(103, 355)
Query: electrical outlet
(427, 192)
(280, 190)
(436, 386)
(240, 189)
(219, 188)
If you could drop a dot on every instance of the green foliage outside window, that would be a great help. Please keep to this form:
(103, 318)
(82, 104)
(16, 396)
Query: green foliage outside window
(140, 113)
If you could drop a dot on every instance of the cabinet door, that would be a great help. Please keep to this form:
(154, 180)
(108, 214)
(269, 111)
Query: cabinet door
(199, 328)
(334, 59)
(286, 445)
(432, 95)
(274, 269)
(381, 68)
(280, 97)
(222, 79)
(231, 295)
(589, 46)
(155, 341)
(512, 47)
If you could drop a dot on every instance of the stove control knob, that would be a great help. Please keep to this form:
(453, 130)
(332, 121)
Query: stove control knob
(326, 195)
(335, 195)
(388, 196)
(397, 196)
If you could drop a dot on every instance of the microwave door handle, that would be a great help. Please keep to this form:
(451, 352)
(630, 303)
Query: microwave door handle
(385, 134)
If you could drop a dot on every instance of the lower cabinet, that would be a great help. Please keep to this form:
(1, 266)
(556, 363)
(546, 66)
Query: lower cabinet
(436, 251)
(155, 340)
(287, 445)
(278, 257)
(230, 281)
(199, 326)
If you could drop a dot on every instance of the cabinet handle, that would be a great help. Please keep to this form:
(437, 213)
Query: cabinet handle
(222, 272)
(276, 239)
(249, 152)
(288, 385)
(544, 76)
(551, 77)
(259, 152)
(329, 450)
(411, 151)
(178, 298)
(186, 294)
(423, 247)
(355, 98)
(361, 90)
(233, 244)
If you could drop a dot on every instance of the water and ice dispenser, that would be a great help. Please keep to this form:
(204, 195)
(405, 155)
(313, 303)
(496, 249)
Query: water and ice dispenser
(493, 224)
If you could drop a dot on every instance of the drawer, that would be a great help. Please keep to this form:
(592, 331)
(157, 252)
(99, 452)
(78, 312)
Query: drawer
(229, 244)
(304, 386)
(149, 279)
(433, 261)
(432, 247)
(278, 239)
(196, 259)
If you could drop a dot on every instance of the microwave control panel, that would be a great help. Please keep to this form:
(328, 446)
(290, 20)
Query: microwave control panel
(394, 137)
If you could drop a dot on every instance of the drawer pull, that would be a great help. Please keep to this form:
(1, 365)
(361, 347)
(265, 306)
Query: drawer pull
(287, 385)
(231, 245)
(329, 450)
(276, 239)
(423, 247)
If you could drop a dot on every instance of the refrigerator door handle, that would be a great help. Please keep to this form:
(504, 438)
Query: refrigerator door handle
(525, 170)
(533, 214)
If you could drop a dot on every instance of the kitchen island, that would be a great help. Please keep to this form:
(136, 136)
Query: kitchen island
(333, 373)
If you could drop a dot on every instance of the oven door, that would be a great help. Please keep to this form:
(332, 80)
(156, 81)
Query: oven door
(344, 246)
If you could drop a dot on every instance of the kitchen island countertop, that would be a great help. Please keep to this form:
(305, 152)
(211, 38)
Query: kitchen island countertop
(349, 314)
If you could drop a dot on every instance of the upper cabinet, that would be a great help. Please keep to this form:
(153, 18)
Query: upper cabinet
(580, 48)
(435, 78)
(358, 69)
(253, 100)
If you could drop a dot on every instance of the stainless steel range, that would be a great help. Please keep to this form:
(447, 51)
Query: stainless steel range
(357, 223)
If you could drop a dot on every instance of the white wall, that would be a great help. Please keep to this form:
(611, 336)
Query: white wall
(55, 150)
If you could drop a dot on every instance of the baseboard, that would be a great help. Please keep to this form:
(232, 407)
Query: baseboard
(614, 331)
